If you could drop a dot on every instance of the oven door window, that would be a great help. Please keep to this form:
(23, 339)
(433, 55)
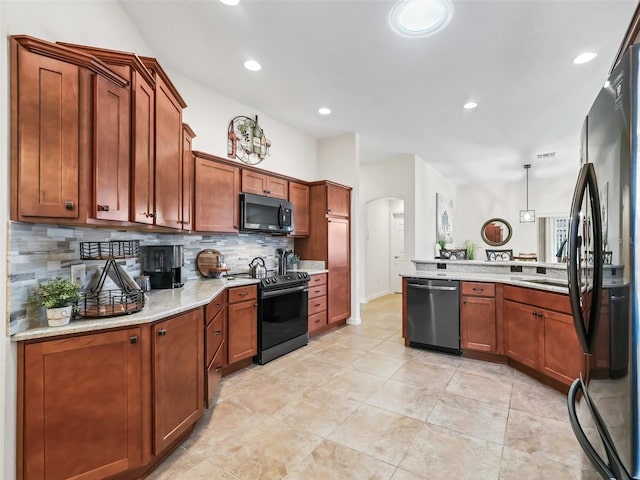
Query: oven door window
(283, 317)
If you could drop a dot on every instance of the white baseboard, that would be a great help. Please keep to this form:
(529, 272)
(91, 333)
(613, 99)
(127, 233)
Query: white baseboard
(378, 295)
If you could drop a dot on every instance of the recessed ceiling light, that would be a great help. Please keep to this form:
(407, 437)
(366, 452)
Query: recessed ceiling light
(252, 65)
(419, 18)
(231, 3)
(470, 105)
(324, 111)
(584, 58)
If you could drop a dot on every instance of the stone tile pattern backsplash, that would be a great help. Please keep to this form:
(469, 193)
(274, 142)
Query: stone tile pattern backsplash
(39, 252)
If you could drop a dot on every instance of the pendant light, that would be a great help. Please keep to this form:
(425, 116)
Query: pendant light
(527, 216)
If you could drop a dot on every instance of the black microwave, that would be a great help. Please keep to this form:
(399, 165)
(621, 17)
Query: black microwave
(265, 214)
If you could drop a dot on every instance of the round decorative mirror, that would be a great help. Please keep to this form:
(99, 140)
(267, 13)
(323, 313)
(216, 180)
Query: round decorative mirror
(496, 232)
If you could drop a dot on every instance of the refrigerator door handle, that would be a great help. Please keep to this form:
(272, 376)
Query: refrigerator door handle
(586, 330)
(599, 464)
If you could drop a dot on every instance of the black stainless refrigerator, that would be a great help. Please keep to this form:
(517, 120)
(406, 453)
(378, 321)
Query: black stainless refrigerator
(604, 403)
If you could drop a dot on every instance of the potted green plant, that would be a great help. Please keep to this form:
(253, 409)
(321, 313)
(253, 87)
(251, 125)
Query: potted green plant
(58, 297)
(471, 249)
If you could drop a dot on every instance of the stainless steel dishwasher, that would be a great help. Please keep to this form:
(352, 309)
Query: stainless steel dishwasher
(433, 314)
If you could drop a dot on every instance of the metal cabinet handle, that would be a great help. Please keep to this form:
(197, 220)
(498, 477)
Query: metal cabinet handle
(69, 205)
(103, 208)
(478, 289)
(243, 293)
(218, 332)
(218, 368)
(162, 332)
(133, 340)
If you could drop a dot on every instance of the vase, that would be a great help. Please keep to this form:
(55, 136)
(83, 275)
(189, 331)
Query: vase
(57, 317)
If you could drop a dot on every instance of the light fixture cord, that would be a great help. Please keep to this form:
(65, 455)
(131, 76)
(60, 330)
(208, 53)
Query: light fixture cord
(527, 189)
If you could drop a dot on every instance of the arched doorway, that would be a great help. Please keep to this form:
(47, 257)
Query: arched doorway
(384, 247)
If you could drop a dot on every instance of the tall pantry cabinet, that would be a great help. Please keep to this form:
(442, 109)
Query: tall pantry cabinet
(329, 240)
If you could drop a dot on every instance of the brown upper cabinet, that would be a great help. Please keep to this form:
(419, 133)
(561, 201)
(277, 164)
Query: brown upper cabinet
(263, 184)
(187, 176)
(338, 200)
(215, 196)
(168, 148)
(104, 128)
(141, 125)
(61, 161)
(299, 198)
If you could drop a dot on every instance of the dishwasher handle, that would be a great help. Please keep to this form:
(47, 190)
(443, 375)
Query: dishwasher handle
(428, 287)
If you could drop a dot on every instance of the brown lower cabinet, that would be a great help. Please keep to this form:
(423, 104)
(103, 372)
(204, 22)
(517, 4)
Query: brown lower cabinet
(242, 335)
(178, 396)
(317, 303)
(109, 403)
(215, 358)
(478, 317)
(540, 333)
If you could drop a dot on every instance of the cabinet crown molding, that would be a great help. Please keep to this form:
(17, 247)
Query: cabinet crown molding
(65, 54)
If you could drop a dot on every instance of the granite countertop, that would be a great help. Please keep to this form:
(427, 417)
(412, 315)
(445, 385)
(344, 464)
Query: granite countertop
(160, 304)
(521, 280)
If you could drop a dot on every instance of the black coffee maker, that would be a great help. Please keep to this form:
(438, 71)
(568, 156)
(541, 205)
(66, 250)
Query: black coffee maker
(163, 264)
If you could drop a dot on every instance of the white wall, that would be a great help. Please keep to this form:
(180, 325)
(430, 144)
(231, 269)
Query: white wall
(208, 113)
(428, 182)
(377, 229)
(339, 161)
(478, 203)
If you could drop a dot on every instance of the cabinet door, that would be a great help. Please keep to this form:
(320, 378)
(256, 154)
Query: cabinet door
(216, 196)
(562, 358)
(337, 242)
(168, 167)
(277, 187)
(142, 181)
(339, 294)
(478, 323)
(338, 200)
(111, 150)
(525, 333)
(82, 406)
(299, 197)
(187, 177)
(47, 161)
(242, 333)
(262, 184)
(178, 376)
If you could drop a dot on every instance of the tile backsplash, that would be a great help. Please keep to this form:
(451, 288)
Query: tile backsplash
(39, 252)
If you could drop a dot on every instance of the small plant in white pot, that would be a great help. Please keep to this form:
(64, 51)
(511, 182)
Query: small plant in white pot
(58, 296)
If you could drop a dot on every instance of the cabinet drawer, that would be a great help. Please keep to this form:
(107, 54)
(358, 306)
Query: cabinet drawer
(317, 321)
(215, 307)
(214, 372)
(478, 289)
(240, 294)
(214, 336)
(318, 304)
(318, 291)
(319, 279)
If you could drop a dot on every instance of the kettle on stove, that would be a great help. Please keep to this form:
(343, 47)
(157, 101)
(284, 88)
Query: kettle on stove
(257, 270)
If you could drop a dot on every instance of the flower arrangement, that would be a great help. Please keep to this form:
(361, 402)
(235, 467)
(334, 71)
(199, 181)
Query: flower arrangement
(55, 293)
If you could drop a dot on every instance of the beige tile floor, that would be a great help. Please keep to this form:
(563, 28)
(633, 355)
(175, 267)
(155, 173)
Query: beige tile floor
(356, 404)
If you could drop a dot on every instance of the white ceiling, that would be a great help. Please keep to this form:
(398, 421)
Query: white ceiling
(512, 57)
